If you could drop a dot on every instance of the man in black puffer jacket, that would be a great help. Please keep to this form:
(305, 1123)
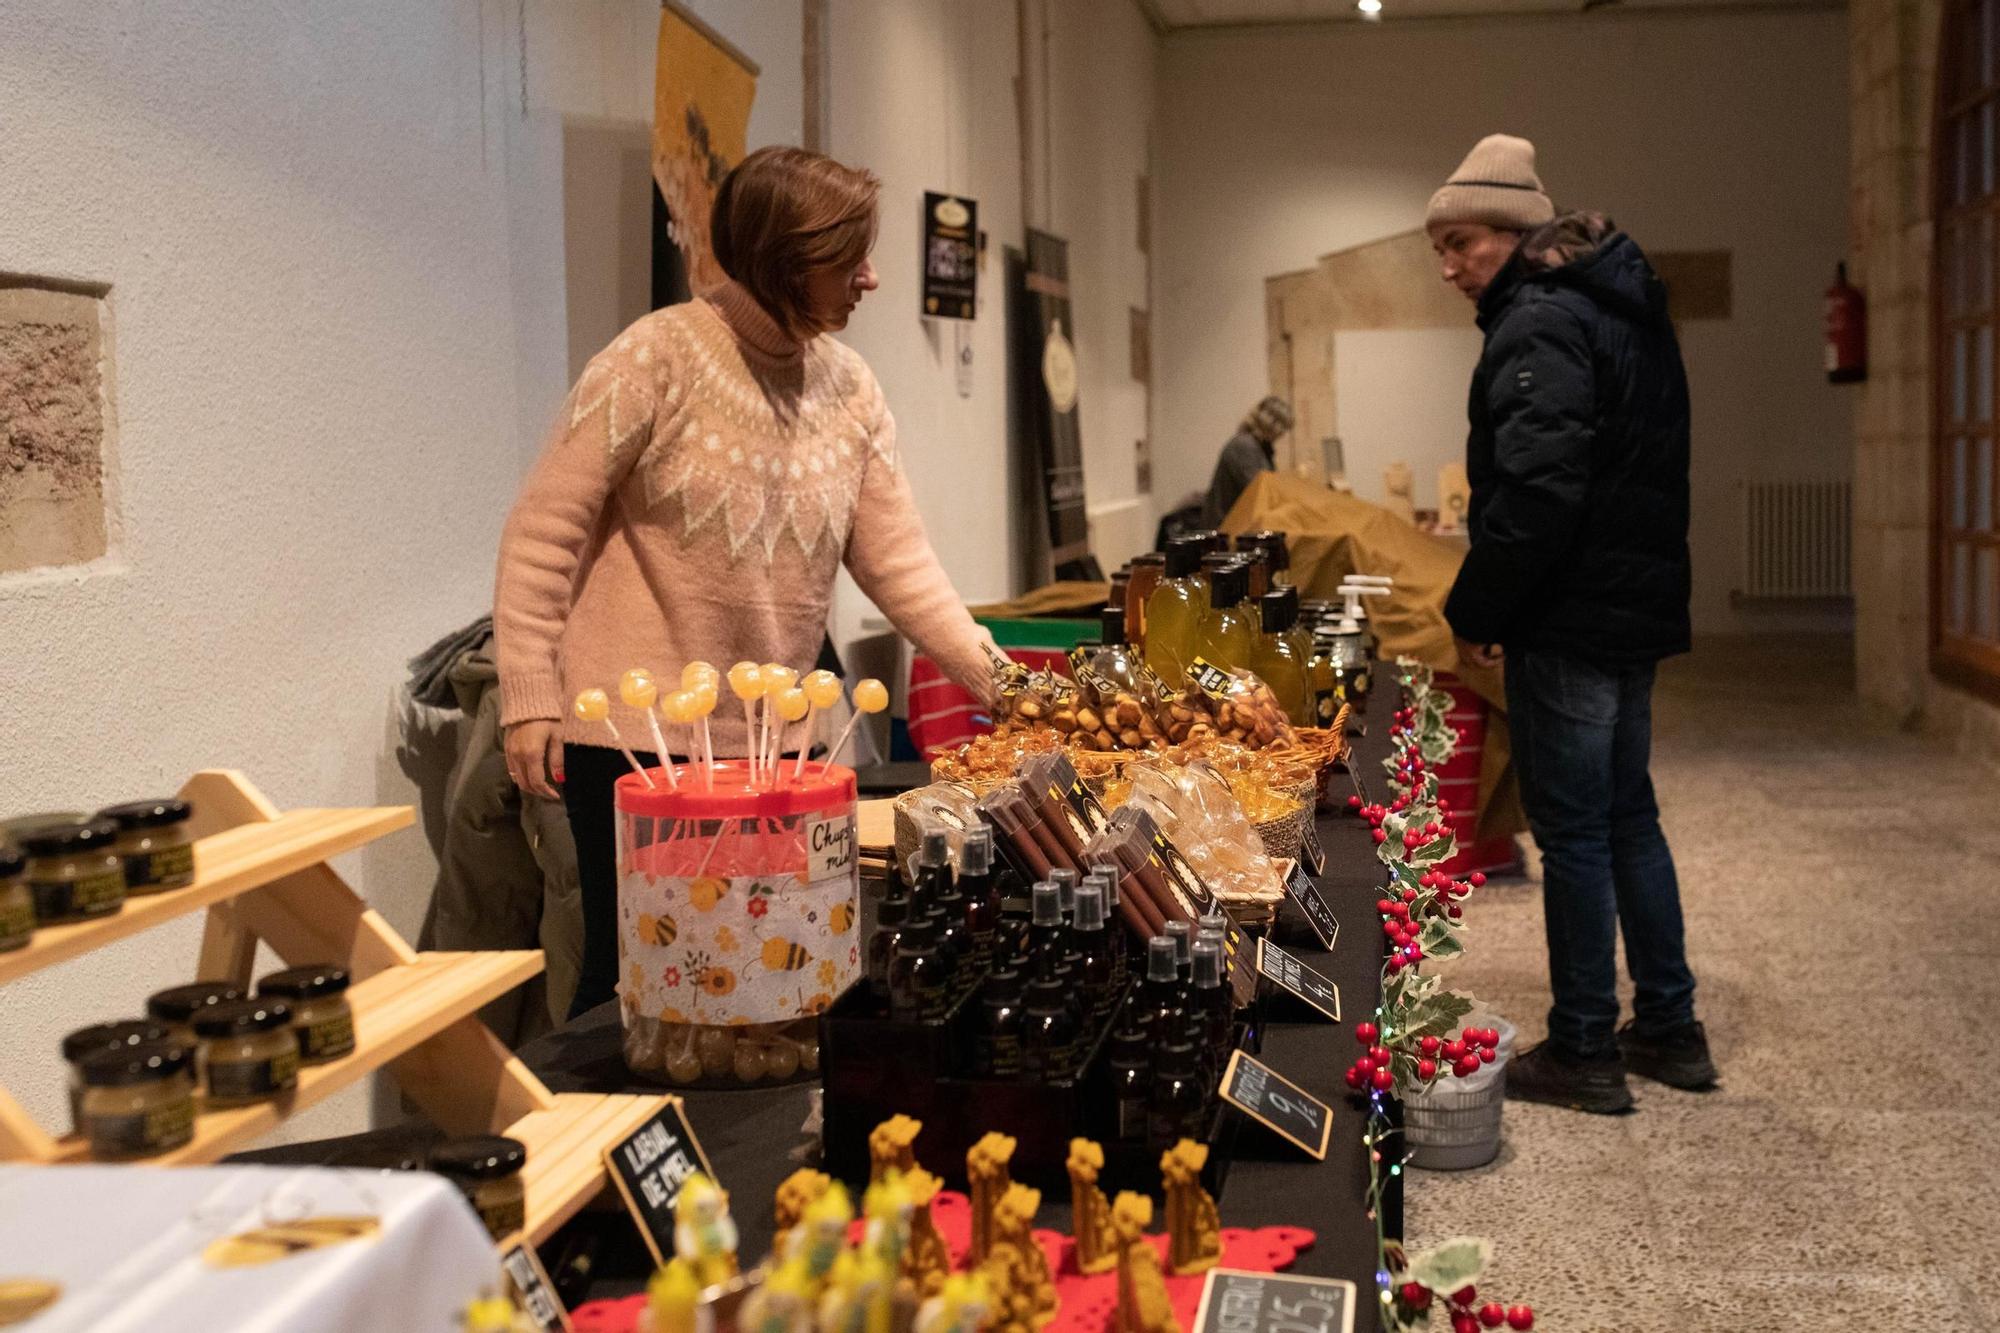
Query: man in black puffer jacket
(1577, 585)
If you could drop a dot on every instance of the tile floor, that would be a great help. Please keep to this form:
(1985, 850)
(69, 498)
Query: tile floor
(1840, 889)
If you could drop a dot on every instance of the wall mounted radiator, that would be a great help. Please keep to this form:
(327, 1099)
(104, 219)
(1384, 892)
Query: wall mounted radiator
(1796, 541)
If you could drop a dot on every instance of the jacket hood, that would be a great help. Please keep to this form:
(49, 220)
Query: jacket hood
(1585, 251)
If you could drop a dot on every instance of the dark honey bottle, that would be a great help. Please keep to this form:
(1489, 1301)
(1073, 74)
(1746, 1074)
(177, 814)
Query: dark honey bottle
(1049, 1031)
(919, 980)
(997, 1046)
(890, 917)
(1093, 956)
(981, 888)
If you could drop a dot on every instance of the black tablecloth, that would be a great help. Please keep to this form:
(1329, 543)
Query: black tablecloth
(754, 1136)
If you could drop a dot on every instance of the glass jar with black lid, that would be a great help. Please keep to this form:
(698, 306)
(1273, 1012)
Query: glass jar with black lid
(17, 904)
(72, 871)
(153, 843)
(176, 1006)
(487, 1170)
(138, 1101)
(322, 1020)
(248, 1053)
(98, 1038)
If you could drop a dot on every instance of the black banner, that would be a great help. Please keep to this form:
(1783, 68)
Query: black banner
(1046, 390)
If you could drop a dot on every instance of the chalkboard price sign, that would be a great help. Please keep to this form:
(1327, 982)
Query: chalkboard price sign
(1295, 978)
(1236, 1301)
(1311, 854)
(1305, 891)
(528, 1286)
(1281, 1107)
(649, 1167)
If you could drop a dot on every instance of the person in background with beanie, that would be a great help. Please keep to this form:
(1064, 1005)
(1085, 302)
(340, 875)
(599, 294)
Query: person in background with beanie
(1576, 585)
(1248, 452)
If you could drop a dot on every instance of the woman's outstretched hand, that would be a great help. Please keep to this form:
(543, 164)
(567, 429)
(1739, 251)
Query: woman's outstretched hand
(535, 756)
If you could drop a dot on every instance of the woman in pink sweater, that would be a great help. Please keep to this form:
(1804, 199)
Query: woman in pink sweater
(710, 472)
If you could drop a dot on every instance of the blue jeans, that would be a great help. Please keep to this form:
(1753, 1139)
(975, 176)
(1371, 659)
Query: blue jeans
(1581, 740)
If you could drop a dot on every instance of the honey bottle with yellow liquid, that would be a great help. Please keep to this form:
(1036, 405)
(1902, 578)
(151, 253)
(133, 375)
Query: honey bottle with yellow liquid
(1174, 611)
(1227, 635)
(1276, 659)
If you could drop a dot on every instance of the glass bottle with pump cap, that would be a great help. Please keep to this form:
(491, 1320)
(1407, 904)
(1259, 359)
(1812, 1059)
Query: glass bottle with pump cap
(1210, 1007)
(1226, 636)
(1131, 1080)
(919, 986)
(933, 868)
(948, 910)
(1174, 612)
(890, 917)
(1093, 954)
(1275, 658)
(996, 1049)
(1045, 929)
(1178, 1097)
(1159, 996)
(1049, 1031)
(981, 888)
(1106, 883)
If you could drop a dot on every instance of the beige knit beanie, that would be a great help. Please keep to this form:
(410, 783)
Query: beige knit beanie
(1496, 185)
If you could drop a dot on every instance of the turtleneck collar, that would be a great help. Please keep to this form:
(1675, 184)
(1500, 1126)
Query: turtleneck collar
(753, 326)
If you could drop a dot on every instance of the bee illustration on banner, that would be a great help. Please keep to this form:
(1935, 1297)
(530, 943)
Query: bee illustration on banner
(782, 955)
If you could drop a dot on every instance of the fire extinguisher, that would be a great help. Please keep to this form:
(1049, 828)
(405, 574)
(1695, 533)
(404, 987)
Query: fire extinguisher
(1846, 330)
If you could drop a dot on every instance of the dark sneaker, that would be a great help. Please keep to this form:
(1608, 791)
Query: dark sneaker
(1678, 1059)
(1542, 1075)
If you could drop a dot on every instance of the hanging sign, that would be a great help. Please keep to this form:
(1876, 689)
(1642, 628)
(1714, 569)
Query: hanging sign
(951, 256)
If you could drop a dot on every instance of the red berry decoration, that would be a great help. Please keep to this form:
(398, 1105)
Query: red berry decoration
(1478, 878)
(1454, 1050)
(1380, 836)
(1393, 928)
(1354, 803)
(1427, 1070)
(1462, 1322)
(1487, 1055)
(1429, 1045)
(1492, 1314)
(1455, 913)
(1520, 1316)
(1380, 1055)
(1364, 1033)
(1467, 1067)
(1382, 906)
(1465, 1295)
(1354, 1078)
(1415, 953)
(1409, 895)
(1383, 1080)
(1416, 1295)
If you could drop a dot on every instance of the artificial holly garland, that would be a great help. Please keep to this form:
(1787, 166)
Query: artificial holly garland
(1412, 1043)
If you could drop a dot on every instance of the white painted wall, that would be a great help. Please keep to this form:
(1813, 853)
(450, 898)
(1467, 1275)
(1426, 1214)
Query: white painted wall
(923, 95)
(1713, 130)
(1378, 427)
(335, 246)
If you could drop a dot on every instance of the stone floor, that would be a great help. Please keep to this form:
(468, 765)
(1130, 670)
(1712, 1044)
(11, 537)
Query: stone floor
(1839, 884)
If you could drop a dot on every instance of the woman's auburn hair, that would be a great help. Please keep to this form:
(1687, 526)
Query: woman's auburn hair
(782, 215)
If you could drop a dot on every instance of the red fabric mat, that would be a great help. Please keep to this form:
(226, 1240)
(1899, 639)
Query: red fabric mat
(1087, 1303)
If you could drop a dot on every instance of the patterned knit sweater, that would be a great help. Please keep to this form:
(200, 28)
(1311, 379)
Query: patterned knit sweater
(706, 479)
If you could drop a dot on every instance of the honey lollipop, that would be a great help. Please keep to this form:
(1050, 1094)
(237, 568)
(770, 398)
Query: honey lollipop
(697, 672)
(791, 706)
(777, 679)
(595, 706)
(639, 690)
(746, 682)
(822, 692)
(679, 710)
(870, 696)
(706, 695)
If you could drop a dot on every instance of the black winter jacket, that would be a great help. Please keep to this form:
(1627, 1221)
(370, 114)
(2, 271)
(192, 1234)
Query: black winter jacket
(1578, 456)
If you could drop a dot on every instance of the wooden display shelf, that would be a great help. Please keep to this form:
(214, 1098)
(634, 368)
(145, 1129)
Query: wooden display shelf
(393, 1011)
(263, 878)
(228, 863)
(566, 1145)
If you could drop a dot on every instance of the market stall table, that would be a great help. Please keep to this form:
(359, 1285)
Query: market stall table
(755, 1137)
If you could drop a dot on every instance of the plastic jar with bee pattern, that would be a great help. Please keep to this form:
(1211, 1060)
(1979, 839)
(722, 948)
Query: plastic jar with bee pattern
(737, 911)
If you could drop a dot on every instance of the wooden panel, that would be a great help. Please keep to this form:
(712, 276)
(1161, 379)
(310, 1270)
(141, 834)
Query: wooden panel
(393, 1012)
(566, 1144)
(434, 1076)
(227, 863)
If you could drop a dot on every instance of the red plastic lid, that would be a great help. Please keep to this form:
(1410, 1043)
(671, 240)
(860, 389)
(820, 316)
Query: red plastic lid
(819, 786)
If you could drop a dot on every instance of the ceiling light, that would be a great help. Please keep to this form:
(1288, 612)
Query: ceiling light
(1371, 10)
